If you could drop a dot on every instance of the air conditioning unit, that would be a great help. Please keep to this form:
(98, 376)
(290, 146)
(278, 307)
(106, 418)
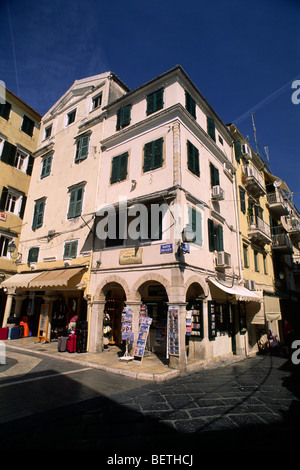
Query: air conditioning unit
(217, 193)
(223, 260)
(246, 151)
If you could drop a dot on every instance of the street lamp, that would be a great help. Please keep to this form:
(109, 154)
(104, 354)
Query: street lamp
(11, 247)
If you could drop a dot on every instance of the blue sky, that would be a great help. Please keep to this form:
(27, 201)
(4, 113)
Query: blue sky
(242, 55)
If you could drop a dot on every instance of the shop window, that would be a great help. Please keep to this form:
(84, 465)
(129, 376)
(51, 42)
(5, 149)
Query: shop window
(218, 319)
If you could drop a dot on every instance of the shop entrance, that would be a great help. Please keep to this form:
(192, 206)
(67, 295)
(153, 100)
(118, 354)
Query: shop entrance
(194, 321)
(114, 303)
(154, 297)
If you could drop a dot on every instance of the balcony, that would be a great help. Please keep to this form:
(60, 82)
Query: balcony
(253, 180)
(258, 230)
(292, 225)
(277, 203)
(281, 242)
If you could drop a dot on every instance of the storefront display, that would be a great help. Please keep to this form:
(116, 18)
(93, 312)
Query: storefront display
(141, 343)
(173, 332)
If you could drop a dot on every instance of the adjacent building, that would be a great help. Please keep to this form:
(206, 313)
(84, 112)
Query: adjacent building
(19, 131)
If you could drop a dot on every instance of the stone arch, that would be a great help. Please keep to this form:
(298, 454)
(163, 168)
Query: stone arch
(150, 277)
(113, 279)
(195, 280)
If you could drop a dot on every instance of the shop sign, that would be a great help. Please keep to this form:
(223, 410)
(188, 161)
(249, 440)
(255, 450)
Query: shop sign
(131, 256)
(43, 324)
(167, 248)
(2, 217)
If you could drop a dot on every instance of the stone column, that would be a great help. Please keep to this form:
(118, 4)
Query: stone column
(96, 326)
(7, 310)
(179, 362)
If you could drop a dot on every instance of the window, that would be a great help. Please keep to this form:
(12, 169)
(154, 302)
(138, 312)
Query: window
(155, 101)
(214, 175)
(256, 267)
(211, 128)
(215, 236)
(33, 254)
(82, 148)
(193, 159)
(97, 100)
(38, 215)
(70, 249)
(123, 117)
(20, 160)
(190, 104)
(238, 150)
(195, 224)
(27, 125)
(245, 254)
(4, 242)
(48, 131)
(221, 140)
(14, 157)
(153, 154)
(13, 202)
(5, 110)
(71, 117)
(265, 264)
(243, 200)
(119, 168)
(75, 202)
(46, 166)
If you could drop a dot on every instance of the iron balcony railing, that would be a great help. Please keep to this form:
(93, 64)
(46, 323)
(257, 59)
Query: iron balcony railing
(251, 171)
(256, 223)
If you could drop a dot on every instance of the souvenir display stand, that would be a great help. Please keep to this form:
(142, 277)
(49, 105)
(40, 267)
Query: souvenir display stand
(144, 326)
(173, 332)
(127, 333)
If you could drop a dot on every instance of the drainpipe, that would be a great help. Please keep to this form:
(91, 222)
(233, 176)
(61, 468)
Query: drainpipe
(235, 191)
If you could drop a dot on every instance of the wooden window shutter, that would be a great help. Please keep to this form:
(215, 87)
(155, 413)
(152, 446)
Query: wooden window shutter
(3, 198)
(211, 235)
(30, 165)
(238, 150)
(211, 128)
(23, 205)
(9, 153)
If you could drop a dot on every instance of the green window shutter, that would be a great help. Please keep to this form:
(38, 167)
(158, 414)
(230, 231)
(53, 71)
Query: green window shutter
(46, 166)
(9, 153)
(243, 201)
(119, 168)
(33, 254)
(193, 158)
(211, 128)
(153, 154)
(82, 148)
(195, 222)
(123, 116)
(3, 198)
(38, 215)
(220, 238)
(30, 165)
(214, 175)
(5, 110)
(211, 235)
(190, 104)
(238, 150)
(70, 249)
(155, 101)
(75, 203)
(23, 204)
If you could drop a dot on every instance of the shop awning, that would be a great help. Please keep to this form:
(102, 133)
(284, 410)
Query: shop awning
(19, 280)
(55, 278)
(239, 292)
(272, 307)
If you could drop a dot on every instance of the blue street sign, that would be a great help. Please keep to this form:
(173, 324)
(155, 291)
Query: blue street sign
(167, 248)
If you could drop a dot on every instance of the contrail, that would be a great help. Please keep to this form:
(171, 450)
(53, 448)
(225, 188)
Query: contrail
(13, 46)
(266, 100)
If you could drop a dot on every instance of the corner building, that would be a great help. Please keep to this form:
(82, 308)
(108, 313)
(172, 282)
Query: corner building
(164, 146)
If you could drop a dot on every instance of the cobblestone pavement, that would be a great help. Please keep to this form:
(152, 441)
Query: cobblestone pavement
(250, 405)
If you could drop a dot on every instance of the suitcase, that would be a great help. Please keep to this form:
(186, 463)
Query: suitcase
(4, 333)
(81, 343)
(14, 332)
(71, 343)
(62, 343)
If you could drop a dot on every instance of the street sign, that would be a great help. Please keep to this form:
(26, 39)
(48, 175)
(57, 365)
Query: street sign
(167, 248)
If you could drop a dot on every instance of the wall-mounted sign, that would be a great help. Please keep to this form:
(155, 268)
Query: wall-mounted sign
(131, 256)
(167, 248)
(185, 247)
(2, 217)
